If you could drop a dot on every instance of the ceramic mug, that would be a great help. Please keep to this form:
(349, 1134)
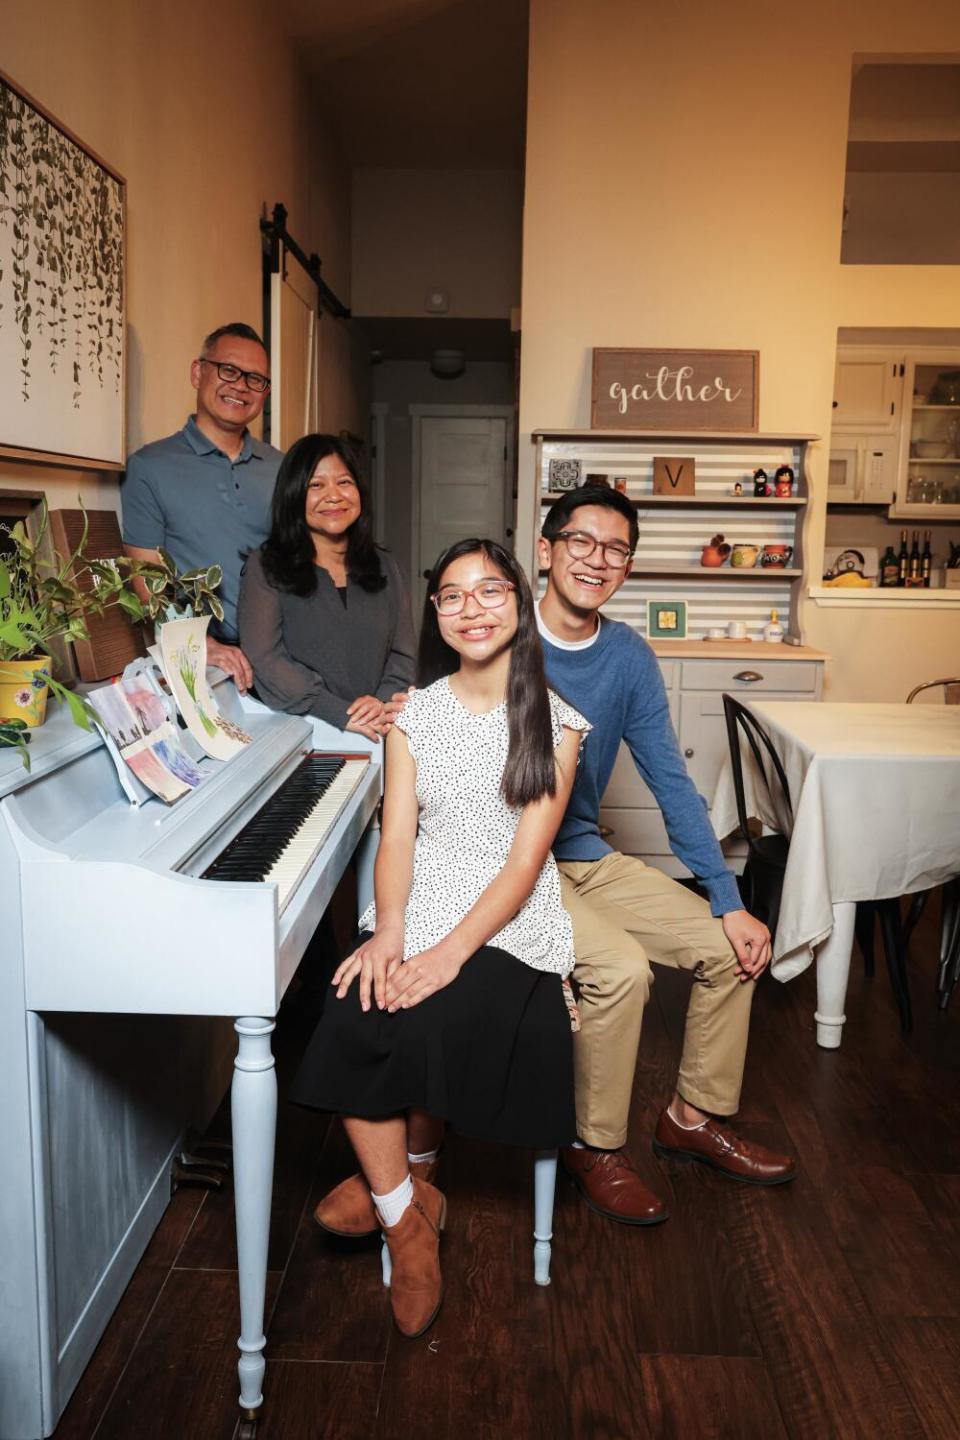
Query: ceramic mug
(744, 557)
(775, 557)
(737, 630)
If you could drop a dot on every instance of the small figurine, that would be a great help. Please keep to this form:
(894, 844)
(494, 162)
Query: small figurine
(783, 482)
(761, 485)
(737, 488)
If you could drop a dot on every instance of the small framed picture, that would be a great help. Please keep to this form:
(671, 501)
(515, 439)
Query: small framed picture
(565, 474)
(666, 619)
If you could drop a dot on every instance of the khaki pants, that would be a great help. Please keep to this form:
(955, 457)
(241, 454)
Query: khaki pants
(626, 914)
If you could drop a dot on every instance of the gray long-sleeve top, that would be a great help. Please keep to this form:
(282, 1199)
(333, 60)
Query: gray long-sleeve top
(313, 655)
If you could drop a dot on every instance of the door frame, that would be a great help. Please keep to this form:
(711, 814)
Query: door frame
(379, 410)
(455, 412)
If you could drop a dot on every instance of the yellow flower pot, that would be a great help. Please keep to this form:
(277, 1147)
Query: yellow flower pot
(23, 689)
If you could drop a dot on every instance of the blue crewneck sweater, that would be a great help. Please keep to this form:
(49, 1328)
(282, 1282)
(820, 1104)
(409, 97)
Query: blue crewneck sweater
(616, 683)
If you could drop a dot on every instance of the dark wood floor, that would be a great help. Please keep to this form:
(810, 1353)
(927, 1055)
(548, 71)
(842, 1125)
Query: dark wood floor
(826, 1308)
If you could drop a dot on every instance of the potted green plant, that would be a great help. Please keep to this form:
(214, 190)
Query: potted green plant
(41, 601)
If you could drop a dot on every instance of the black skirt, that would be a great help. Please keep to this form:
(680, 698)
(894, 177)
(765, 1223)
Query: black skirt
(491, 1053)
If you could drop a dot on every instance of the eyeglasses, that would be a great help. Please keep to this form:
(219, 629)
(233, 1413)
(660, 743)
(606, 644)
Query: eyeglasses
(490, 595)
(232, 373)
(582, 546)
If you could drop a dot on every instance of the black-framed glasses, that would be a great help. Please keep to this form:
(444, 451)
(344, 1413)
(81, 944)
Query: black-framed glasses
(582, 546)
(490, 595)
(232, 374)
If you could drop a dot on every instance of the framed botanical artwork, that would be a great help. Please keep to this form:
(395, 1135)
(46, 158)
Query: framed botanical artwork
(666, 619)
(62, 255)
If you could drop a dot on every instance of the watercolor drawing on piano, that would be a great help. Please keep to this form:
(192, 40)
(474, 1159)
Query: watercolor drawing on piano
(140, 748)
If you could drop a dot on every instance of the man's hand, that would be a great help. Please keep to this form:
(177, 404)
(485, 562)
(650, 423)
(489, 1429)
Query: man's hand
(420, 976)
(231, 659)
(750, 939)
(373, 961)
(366, 717)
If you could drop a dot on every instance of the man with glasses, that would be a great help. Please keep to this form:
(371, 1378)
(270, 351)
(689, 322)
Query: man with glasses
(204, 493)
(626, 914)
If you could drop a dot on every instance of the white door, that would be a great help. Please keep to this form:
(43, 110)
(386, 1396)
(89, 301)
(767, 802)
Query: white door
(295, 355)
(463, 476)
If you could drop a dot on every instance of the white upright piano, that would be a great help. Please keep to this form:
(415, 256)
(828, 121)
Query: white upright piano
(125, 933)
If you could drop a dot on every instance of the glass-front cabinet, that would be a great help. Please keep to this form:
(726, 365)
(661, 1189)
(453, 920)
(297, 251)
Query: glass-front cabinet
(928, 478)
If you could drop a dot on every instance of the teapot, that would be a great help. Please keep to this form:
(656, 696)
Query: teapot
(715, 552)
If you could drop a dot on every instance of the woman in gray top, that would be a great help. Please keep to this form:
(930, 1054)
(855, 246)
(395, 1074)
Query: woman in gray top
(324, 614)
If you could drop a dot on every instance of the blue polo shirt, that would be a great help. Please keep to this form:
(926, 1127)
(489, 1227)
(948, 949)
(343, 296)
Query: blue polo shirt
(186, 495)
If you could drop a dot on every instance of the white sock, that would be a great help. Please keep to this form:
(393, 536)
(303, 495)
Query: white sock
(679, 1123)
(390, 1207)
(426, 1158)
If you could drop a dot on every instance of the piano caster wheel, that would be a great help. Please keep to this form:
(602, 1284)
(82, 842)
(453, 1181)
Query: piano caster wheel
(183, 1172)
(247, 1429)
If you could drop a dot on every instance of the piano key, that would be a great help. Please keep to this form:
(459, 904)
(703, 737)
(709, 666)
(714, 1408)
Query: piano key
(278, 845)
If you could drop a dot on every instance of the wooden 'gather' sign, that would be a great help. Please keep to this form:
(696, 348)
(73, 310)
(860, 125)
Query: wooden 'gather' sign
(675, 390)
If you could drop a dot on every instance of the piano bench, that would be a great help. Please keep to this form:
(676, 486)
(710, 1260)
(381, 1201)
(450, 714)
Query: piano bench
(544, 1188)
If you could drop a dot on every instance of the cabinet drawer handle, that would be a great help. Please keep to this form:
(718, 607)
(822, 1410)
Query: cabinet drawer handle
(750, 677)
(689, 754)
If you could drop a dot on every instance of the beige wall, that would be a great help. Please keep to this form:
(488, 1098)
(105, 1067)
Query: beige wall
(674, 198)
(414, 229)
(205, 113)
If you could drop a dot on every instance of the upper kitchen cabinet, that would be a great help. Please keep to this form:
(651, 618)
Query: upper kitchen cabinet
(928, 482)
(868, 390)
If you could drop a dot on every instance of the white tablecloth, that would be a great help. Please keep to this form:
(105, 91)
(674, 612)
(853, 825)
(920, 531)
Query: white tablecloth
(876, 808)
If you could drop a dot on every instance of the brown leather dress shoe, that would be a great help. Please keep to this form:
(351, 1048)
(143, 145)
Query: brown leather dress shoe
(609, 1184)
(715, 1144)
(348, 1209)
(416, 1285)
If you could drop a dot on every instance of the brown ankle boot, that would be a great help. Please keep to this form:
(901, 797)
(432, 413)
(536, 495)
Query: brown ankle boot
(416, 1286)
(348, 1209)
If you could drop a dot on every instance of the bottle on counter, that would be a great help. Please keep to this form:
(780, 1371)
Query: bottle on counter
(925, 560)
(889, 567)
(903, 561)
(773, 630)
(913, 577)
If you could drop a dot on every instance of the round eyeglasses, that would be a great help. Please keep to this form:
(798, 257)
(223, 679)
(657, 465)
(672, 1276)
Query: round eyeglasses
(582, 546)
(490, 595)
(232, 374)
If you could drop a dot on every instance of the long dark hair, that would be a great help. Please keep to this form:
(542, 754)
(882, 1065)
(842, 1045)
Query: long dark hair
(289, 561)
(530, 771)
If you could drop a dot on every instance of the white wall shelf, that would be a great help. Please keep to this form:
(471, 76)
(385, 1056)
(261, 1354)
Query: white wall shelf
(733, 502)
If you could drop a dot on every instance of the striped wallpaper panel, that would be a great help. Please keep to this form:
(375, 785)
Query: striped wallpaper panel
(708, 605)
(675, 535)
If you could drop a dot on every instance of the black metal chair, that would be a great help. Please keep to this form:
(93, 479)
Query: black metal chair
(948, 970)
(761, 883)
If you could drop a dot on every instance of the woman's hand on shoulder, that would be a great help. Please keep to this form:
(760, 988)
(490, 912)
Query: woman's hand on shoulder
(394, 705)
(367, 717)
(420, 976)
(374, 961)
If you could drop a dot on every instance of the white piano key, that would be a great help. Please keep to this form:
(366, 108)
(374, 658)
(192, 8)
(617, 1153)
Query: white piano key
(298, 853)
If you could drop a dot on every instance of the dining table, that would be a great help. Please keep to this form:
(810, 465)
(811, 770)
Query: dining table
(875, 800)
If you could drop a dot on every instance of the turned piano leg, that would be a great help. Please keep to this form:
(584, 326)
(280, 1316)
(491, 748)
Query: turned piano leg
(254, 1109)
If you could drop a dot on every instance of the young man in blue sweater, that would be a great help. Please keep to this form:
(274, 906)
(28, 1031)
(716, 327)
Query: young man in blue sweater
(624, 913)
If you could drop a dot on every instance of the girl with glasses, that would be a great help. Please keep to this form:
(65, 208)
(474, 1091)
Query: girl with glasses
(452, 1008)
